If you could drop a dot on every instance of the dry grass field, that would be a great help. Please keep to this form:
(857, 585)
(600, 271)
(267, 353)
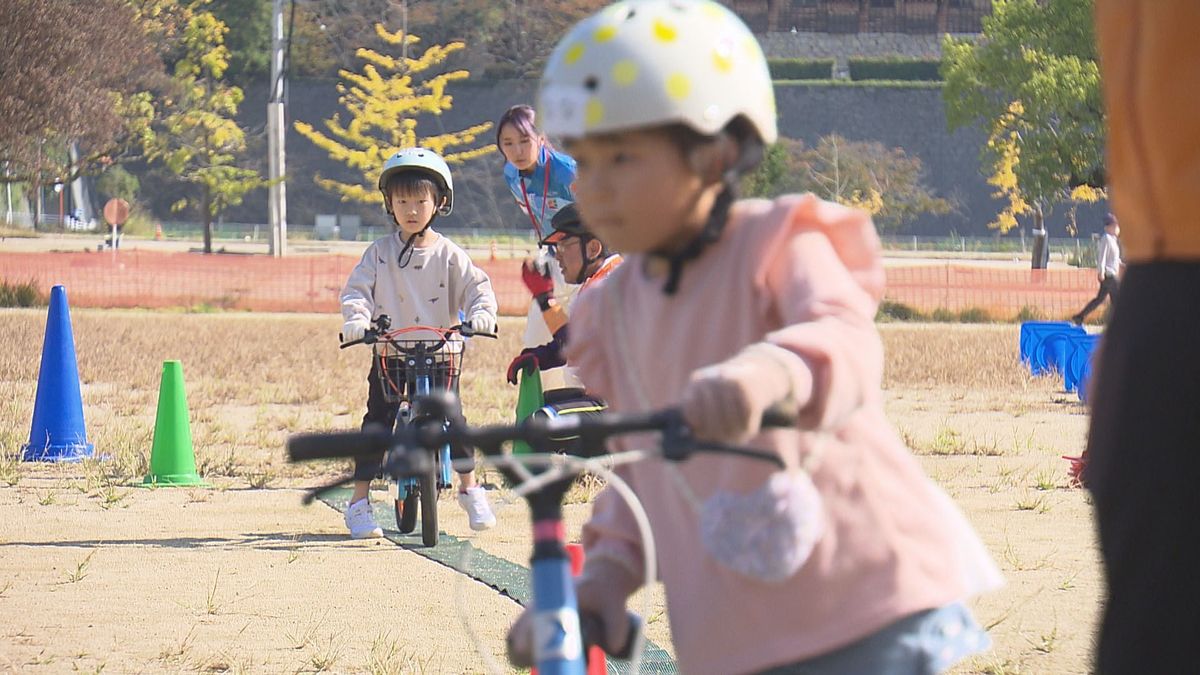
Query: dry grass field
(96, 574)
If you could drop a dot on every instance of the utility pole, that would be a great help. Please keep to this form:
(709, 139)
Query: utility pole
(276, 133)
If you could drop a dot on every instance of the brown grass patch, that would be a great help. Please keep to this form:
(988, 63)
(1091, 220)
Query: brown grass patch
(251, 380)
(942, 355)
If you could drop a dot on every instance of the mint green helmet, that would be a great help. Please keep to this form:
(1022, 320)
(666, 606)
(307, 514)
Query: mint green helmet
(425, 161)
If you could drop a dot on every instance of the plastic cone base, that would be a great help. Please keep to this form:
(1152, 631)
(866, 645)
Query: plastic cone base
(179, 479)
(74, 452)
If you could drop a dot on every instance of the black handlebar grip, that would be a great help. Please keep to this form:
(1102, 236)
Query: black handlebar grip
(780, 415)
(305, 447)
(591, 626)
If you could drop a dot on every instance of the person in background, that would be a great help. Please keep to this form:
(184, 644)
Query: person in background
(417, 277)
(583, 260)
(541, 180)
(1108, 268)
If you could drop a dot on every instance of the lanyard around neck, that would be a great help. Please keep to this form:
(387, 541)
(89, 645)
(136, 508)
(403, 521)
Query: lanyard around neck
(537, 226)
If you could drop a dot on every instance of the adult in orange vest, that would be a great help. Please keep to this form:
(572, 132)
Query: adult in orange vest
(584, 260)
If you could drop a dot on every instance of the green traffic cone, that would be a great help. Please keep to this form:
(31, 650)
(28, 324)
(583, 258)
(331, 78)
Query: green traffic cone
(529, 401)
(172, 460)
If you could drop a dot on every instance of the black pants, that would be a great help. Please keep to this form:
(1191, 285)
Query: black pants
(1108, 288)
(382, 413)
(1144, 471)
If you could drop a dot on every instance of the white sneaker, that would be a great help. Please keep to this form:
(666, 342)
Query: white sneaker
(361, 520)
(479, 513)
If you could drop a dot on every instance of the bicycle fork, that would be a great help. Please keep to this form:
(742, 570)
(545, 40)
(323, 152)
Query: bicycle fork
(557, 638)
(404, 416)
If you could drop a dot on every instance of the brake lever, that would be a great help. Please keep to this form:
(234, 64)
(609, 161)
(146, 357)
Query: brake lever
(313, 493)
(741, 451)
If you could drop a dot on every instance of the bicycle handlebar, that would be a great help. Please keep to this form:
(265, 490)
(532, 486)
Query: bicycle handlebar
(382, 333)
(677, 440)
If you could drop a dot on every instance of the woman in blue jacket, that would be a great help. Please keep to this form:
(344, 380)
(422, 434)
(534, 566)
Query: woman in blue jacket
(541, 180)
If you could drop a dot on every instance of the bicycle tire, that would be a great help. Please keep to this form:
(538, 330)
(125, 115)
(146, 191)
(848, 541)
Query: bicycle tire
(406, 513)
(427, 485)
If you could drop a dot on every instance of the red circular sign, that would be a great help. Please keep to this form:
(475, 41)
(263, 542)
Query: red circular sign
(116, 211)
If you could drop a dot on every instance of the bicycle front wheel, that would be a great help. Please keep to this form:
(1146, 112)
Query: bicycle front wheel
(406, 513)
(429, 515)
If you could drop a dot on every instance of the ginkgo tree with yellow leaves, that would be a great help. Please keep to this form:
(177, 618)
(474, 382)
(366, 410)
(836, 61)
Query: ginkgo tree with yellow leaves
(383, 103)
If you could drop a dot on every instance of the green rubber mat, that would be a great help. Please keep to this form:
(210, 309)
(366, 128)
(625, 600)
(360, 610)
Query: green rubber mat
(508, 578)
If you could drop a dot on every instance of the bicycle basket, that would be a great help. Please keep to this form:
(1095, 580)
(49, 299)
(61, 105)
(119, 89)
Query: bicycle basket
(400, 363)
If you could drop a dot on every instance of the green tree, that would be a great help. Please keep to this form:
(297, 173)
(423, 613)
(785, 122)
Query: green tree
(312, 51)
(383, 102)
(199, 140)
(886, 182)
(117, 183)
(1033, 83)
(248, 38)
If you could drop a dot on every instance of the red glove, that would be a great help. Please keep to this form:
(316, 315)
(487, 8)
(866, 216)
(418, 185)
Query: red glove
(525, 360)
(538, 283)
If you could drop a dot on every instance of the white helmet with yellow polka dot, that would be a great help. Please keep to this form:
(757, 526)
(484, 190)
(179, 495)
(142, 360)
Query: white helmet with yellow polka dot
(641, 63)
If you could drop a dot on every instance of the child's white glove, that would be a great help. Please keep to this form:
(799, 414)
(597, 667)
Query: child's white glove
(354, 329)
(482, 322)
(725, 402)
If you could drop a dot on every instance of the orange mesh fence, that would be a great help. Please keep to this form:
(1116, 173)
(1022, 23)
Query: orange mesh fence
(153, 279)
(999, 291)
(312, 283)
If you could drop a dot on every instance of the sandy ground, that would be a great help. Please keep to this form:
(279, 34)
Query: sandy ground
(222, 579)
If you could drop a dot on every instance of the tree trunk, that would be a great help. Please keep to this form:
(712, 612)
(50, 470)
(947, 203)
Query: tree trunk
(943, 16)
(37, 188)
(37, 201)
(1041, 239)
(772, 16)
(206, 210)
(864, 15)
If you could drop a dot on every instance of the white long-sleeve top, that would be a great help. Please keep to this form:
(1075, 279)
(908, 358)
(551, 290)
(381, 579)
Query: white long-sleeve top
(438, 281)
(1108, 256)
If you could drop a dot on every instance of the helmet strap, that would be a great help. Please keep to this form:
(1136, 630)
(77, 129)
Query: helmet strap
(585, 270)
(406, 253)
(692, 250)
(749, 155)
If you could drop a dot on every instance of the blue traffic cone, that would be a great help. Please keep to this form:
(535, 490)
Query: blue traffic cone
(58, 433)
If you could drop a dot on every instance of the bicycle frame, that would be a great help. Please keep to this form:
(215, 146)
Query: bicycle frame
(422, 386)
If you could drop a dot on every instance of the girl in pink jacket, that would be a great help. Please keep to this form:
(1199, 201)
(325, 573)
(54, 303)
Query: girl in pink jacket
(848, 561)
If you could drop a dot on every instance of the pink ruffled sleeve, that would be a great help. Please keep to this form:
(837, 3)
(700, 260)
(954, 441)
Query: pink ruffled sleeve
(822, 279)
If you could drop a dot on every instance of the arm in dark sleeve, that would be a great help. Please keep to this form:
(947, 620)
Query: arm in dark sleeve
(550, 355)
